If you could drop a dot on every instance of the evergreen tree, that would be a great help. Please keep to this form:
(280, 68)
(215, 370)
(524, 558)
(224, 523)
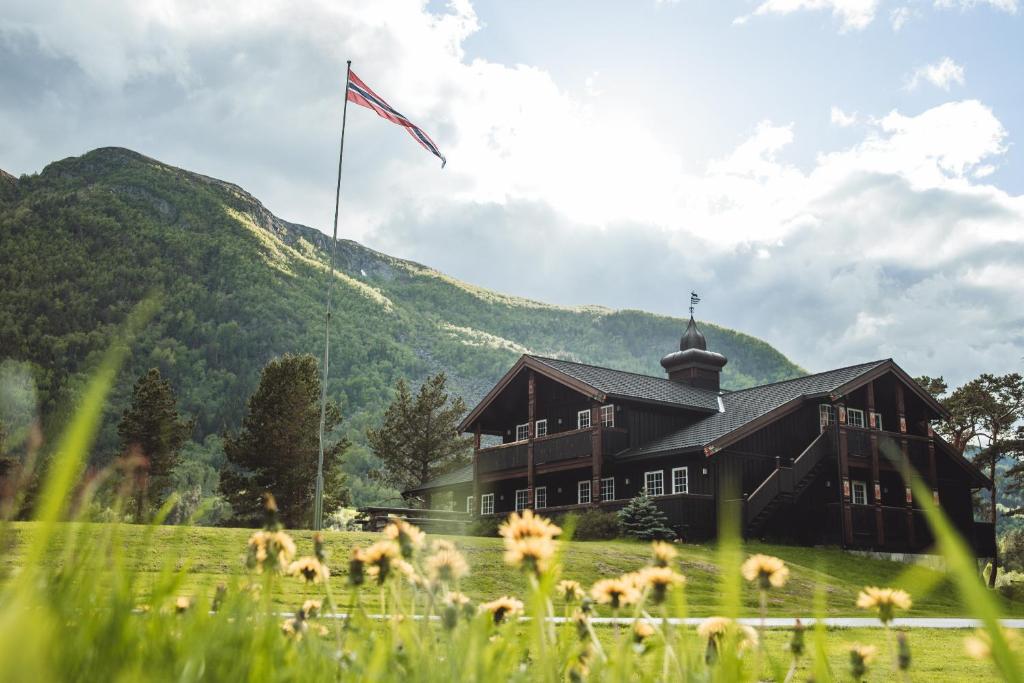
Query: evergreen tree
(152, 434)
(642, 519)
(277, 449)
(419, 437)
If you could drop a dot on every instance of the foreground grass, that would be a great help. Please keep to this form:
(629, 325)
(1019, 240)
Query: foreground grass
(208, 556)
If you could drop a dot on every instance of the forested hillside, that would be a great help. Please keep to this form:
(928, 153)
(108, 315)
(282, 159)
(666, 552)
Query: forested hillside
(89, 237)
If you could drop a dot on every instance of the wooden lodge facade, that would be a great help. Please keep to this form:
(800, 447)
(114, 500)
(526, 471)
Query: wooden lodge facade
(814, 460)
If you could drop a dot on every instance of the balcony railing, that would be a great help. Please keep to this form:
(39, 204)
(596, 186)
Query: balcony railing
(507, 456)
(564, 446)
(553, 448)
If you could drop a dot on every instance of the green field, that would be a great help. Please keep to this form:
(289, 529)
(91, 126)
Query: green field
(208, 556)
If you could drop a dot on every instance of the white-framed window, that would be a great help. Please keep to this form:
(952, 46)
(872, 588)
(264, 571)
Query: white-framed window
(583, 492)
(855, 417)
(522, 498)
(608, 488)
(540, 497)
(540, 428)
(523, 432)
(654, 483)
(469, 505)
(487, 504)
(583, 419)
(826, 415)
(680, 480)
(860, 493)
(878, 421)
(607, 415)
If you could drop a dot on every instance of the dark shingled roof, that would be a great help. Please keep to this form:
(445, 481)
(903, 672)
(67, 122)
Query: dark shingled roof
(462, 475)
(748, 404)
(630, 385)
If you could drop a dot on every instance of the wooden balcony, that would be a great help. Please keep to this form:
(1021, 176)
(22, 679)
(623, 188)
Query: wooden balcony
(565, 450)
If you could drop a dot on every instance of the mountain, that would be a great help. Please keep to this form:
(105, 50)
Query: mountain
(90, 236)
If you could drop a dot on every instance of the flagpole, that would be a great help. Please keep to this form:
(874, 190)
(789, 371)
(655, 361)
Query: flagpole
(318, 503)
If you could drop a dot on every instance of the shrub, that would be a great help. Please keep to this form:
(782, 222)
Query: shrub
(1011, 585)
(642, 519)
(596, 525)
(484, 526)
(1011, 549)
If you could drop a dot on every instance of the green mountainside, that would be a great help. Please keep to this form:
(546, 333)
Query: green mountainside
(89, 237)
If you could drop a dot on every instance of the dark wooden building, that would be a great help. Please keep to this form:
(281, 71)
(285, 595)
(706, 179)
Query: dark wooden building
(814, 460)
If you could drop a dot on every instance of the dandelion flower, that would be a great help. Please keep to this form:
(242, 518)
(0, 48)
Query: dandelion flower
(715, 630)
(310, 569)
(641, 631)
(502, 608)
(768, 571)
(663, 553)
(659, 580)
(275, 546)
(380, 557)
(571, 591)
(618, 592)
(979, 645)
(455, 603)
(860, 657)
(311, 608)
(446, 565)
(527, 525)
(182, 604)
(531, 554)
(408, 537)
(293, 628)
(582, 621)
(356, 566)
(885, 601)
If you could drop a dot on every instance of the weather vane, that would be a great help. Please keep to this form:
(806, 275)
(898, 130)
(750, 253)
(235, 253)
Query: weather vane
(694, 300)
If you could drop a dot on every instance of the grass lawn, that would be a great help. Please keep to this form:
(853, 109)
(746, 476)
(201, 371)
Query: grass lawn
(208, 556)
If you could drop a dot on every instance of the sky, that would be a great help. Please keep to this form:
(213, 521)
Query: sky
(842, 178)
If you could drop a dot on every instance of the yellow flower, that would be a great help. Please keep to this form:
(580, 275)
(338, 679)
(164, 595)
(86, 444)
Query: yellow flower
(714, 629)
(310, 569)
(768, 571)
(408, 537)
(311, 608)
(356, 566)
(270, 545)
(380, 556)
(618, 592)
(659, 580)
(663, 553)
(455, 603)
(502, 608)
(530, 554)
(979, 645)
(446, 565)
(410, 573)
(527, 525)
(571, 591)
(860, 657)
(182, 604)
(884, 600)
(442, 544)
(642, 630)
(293, 628)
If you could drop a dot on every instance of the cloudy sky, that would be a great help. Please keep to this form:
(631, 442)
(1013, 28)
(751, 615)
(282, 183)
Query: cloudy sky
(842, 178)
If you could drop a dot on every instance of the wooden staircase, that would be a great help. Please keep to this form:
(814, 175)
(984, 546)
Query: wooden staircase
(785, 484)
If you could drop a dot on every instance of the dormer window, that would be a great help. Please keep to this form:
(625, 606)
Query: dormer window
(540, 428)
(523, 432)
(583, 419)
(607, 415)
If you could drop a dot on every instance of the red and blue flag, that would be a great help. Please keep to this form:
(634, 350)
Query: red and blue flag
(360, 93)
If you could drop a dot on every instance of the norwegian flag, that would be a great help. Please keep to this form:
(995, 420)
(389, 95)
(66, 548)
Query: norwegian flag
(360, 93)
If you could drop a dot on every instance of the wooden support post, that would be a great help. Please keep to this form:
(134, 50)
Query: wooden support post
(531, 410)
(476, 470)
(844, 473)
(596, 457)
(901, 408)
(911, 536)
(933, 473)
(875, 474)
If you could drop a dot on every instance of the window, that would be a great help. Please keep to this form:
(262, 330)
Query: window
(680, 480)
(607, 414)
(540, 497)
(487, 504)
(583, 419)
(540, 428)
(583, 492)
(860, 493)
(654, 483)
(522, 499)
(608, 488)
(855, 417)
(522, 432)
(826, 415)
(877, 418)
(469, 505)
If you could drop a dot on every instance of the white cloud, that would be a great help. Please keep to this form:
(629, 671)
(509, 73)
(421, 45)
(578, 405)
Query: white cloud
(842, 119)
(1004, 5)
(899, 16)
(852, 14)
(941, 74)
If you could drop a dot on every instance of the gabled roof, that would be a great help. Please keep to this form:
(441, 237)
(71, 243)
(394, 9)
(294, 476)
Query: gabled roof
(744, 408)
(462, 475)
(602, 384)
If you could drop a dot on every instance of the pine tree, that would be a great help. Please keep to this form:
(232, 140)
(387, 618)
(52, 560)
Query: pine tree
(419, 438)
(642, 519)
(277, 448)
(152, 434)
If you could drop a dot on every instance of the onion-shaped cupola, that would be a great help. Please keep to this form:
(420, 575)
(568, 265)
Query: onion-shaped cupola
(693, 364)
